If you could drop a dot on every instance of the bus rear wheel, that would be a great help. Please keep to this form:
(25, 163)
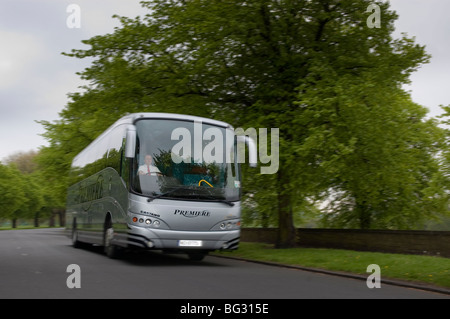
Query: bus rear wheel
(111, 250)
(75, 242)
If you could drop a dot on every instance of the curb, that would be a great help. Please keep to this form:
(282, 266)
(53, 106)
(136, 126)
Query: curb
(393, 282)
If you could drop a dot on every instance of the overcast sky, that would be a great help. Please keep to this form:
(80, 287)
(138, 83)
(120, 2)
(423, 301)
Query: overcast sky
(35, 78)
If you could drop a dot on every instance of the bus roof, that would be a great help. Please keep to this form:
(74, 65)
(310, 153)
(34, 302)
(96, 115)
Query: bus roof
(173, 116)
(133, 117)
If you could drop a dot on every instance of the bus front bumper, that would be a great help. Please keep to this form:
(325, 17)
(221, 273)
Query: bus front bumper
(160, 239)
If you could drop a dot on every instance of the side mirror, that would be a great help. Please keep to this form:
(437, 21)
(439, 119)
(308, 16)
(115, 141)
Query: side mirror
(252, 149)
(130, 144)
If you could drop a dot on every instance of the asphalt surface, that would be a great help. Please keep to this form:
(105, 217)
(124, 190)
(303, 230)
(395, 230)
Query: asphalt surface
(34, 264)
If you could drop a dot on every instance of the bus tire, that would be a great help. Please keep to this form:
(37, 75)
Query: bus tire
(75, 242)
(111, 250)
(196, 256)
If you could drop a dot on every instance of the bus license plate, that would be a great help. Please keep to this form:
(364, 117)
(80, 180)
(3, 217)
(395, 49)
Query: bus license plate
(190, 243)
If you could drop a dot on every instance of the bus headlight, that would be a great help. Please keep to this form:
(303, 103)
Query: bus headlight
(228, 225)
(144, 221)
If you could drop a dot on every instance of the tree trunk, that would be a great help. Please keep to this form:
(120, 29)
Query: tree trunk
(364, 216)
(286, 231)
(14, 223)
(52, 219)
(36, 220)
(62, 217)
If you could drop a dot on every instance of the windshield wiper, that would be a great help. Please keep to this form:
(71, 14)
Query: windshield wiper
(161, 195)
(229, 203)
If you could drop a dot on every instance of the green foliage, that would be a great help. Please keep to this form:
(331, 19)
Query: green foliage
(379, 155)
(33, 199)
(11, 190)
(22, 195)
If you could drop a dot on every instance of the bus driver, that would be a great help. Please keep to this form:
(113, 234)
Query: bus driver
(148, 168)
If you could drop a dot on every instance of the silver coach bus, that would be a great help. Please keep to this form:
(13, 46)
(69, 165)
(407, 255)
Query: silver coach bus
(159, 181)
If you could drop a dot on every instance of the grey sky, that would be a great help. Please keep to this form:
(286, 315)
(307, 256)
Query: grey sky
(35, 78)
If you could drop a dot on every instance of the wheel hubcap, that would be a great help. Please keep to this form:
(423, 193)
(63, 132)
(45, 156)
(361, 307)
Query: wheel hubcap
(109, 236)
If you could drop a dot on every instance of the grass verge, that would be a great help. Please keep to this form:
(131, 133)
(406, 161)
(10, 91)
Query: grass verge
(415, 268)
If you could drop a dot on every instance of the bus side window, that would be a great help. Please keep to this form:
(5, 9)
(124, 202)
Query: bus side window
(124, 166)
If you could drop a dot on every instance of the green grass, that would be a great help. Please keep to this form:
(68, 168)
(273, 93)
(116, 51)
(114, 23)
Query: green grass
(424, 269)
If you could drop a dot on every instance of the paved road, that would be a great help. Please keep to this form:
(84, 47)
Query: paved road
(33, 264)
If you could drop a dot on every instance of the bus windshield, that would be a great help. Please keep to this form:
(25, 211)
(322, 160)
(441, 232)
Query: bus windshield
(185, 160)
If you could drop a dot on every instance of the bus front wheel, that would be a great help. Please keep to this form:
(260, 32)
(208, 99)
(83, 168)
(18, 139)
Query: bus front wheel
(196, 256)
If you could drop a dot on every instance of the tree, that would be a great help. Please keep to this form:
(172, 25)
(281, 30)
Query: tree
(24, 167)
(32, 202)
(265, 63)
(12, 195)
(380, 156)
(25, 161)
